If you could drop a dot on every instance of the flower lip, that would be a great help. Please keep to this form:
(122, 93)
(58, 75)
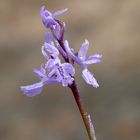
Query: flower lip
(32, 90)
(88, 77)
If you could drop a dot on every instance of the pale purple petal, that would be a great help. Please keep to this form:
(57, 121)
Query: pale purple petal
(51, 49)
(35, 89)
(88, 77)
(62, 73)
(49, 22)
(32, 90)
(68, 74)
(47, 17)
(55, 74)
(96, 58)
(51, 80)
(41, 73)
(67, 81)
(44, 12)
(56, 28)
(83, 50)
(72, 55)
(69, 68)
(48, 37)
(44, 52)
(52, 73)
(52, 62)
(60, 12)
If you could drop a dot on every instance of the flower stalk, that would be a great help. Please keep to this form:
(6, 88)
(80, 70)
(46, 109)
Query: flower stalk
(85, 116)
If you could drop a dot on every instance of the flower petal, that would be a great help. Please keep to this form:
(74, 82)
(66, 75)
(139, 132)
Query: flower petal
(47, 17)
(52, 73)
(88, 77)
(83, 50)
(48, 37)
(57, 31)
(96, 58)
(68, 74)
(72, 55)
(67, 81)
(51, 63)
(51, 49)
(44, 52)
(41, 73)
(32, 90)
(49, 22)
(44, 12)
(68, 68)
(60, 12)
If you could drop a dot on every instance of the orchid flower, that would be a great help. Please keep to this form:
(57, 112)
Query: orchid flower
(57, 72)
(53, 71)
(50, 21)
(81, 60)
(48, 18)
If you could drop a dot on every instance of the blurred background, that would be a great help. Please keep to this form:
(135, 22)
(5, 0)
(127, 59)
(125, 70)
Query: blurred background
(112, 28)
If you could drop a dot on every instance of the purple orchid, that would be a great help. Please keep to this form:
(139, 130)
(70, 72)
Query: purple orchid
(36, 88)
(50, 21)
(62, 73)
(55, 72)
(48, 18)
(81, 60)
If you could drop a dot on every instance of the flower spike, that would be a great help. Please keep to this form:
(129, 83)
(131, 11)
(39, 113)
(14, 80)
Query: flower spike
(57, 71)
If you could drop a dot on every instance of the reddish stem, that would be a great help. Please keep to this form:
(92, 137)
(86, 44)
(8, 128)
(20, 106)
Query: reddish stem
(84, 114)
